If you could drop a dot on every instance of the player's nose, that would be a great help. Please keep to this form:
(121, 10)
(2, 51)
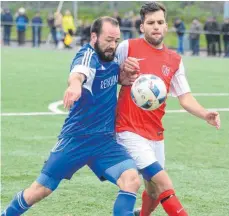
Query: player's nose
(156, 26)
(112, 45)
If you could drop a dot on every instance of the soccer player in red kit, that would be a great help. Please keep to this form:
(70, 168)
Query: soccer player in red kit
(141, 132)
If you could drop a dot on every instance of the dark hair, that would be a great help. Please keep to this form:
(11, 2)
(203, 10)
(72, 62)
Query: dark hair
(151, 7)
(98, 24)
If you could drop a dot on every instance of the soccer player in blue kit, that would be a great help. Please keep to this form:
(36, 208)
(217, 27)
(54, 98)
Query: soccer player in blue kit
(87, 136)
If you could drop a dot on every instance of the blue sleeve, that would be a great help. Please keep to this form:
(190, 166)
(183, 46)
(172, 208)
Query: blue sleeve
(84, 62)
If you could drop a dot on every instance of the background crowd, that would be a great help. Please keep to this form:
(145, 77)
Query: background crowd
(65, 32)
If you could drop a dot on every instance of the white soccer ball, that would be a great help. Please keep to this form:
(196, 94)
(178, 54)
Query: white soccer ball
(148, 92)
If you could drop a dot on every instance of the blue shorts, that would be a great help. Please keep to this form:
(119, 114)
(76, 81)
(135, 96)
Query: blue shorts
(105, 157)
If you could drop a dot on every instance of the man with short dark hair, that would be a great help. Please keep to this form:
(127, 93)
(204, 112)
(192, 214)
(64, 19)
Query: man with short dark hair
(180, 30)
(141, 132)
(7, 22)
(36, 29)
(225, 32)
(194, 36)
(87, 136)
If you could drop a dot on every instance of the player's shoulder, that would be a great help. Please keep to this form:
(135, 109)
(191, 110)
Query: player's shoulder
(123, 45)
(136, 41)
(173, 55)
(132, 41)
(88, 52)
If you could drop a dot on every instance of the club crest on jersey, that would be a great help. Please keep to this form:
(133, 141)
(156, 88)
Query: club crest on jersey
(165, 70)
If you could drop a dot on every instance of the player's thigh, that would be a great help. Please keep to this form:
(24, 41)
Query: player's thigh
(138, 147)
(159, 150)
(111, 161)
(66, 157)
(142, 151)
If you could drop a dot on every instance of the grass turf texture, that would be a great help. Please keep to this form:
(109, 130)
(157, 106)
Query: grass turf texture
(196, 154)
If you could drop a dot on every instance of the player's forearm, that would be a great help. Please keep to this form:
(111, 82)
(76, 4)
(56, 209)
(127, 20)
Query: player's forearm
(122, 77)
(76, 78)
(191, 105)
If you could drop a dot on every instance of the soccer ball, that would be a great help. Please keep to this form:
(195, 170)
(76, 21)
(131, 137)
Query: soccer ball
(148, 92)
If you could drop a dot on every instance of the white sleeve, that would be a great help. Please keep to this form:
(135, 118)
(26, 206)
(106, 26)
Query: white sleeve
(122, 51)
(179, 84)
(85, 63)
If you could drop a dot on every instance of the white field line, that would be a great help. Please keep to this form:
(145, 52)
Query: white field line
(53, 107)
(210, 94)
(65, 113)
(210, 109)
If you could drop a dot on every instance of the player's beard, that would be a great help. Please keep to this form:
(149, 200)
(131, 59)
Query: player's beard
(153, 41)
(101, 53)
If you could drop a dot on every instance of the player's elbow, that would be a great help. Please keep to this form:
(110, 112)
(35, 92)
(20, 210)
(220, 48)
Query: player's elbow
(185, 100)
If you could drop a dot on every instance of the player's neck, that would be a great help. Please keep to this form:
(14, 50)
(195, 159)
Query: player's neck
(158, 47)
(92, 45)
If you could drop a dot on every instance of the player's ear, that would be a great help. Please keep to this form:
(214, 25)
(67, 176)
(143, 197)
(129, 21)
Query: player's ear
(141, 28)
(93, 37)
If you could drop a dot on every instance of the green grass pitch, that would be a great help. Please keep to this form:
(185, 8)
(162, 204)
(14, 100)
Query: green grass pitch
(196, 153)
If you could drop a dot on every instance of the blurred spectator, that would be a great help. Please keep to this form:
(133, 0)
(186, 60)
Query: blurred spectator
(137, 25)
(116, 16)
(195, 30)
(85, 33)
(2, 13)
(7, 21)
(225, 31)
(21, 23)
(180, 30)
(36, 28)
(126, 27)
(212, 30)
(68, 23)
(52, 27)
(68, 40)
(207, 28)
(217, 30)
(58, 20)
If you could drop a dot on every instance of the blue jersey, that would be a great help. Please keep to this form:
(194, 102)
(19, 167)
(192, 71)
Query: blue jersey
(94, 112)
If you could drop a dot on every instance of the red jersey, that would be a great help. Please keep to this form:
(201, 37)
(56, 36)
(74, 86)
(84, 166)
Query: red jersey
(161, 62)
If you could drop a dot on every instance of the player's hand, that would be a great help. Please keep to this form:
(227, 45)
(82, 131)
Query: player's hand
(132, 78)
(72, 94)
(128, 79)
(213, 119)
(131, 65)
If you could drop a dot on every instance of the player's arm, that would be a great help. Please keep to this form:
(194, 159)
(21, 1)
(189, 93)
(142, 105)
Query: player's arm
(127, 64)
(190, 104)
(73, 92)
(83, 68)
(126, 78)
(180, 88)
